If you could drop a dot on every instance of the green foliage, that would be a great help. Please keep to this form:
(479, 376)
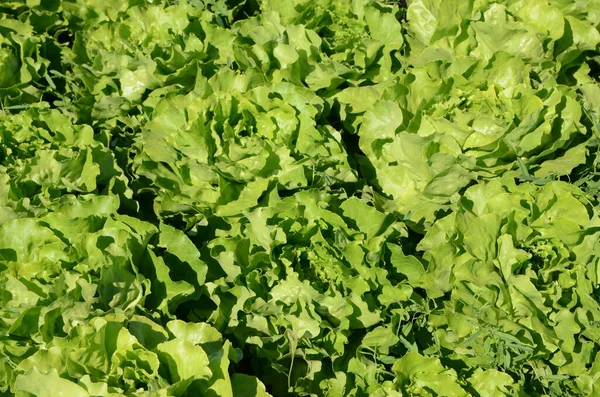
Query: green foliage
(306, 197)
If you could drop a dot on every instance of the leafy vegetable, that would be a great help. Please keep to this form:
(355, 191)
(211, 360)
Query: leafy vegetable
(311, 198)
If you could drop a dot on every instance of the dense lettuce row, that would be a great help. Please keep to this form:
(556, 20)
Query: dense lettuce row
(303, 197)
